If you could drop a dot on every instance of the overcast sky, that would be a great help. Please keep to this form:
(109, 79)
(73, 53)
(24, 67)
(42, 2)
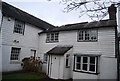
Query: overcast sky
(49, 11)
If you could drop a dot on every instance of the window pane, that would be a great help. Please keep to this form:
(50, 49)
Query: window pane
(92, 68)
(85, 59)
(78, 59)
(52, 37)
(80, 35)
(86, 35)
(85, 67)
(92, 60)
(56, 36)
(78, 66)
(48, 37)
(67, 60)
(93, 34)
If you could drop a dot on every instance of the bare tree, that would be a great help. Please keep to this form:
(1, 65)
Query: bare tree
(94, 9)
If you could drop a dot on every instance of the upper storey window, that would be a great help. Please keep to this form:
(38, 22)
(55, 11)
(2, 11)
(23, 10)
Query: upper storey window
(87, 35)
(19, 27)
(52, 37)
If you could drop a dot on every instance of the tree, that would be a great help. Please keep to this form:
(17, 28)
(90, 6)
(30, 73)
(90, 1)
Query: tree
(94, 9)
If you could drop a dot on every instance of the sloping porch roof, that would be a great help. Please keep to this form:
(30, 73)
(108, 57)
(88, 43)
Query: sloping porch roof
(59, 50)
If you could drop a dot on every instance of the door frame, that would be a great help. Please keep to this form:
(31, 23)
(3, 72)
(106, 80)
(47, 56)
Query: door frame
(50, 64)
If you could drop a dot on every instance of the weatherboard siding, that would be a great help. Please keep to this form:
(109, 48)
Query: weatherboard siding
(27, 42)
(104, 46)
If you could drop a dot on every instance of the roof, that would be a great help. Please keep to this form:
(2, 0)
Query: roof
(10, 11)
(84, 25)
(59, 50)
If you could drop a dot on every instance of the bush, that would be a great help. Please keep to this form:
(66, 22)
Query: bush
(30, 64)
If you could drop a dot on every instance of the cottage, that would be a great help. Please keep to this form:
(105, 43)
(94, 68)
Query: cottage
(78, 51)
(19, 36)
(90, 50)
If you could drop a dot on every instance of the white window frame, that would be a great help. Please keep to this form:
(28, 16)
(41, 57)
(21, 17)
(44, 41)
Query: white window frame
(52, 37)
(15, 53)
(89, 33)
(88, 64)
(19, 27)
(67, 60)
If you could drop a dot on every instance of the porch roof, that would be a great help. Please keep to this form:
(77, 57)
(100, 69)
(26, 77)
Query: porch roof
(79, 54)
(59, 50)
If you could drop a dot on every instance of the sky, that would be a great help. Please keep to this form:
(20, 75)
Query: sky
(50, 11)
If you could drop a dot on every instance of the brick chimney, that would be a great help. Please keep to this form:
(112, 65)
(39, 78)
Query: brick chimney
(112, 12)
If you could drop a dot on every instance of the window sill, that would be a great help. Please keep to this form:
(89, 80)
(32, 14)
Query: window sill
(86, 72)
(87, 40)
(18, 34)
(52, 41)
(15, 62)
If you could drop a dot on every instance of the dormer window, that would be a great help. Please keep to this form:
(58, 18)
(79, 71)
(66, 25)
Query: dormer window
(19, 27)
(52, 37)
(87, 35)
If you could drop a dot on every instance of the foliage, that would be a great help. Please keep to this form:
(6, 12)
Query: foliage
(31, 64)
(94, 9)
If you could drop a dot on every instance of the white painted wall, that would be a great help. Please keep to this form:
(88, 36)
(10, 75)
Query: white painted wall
(105, 46)
(67, 72)
(27, 42)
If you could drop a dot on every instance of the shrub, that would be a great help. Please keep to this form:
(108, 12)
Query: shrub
(31, 64)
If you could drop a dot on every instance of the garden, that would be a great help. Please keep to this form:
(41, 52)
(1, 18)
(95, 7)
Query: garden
(31, 71)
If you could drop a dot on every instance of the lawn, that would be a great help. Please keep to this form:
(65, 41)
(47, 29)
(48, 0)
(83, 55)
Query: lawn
(24, 76)
(19, 76)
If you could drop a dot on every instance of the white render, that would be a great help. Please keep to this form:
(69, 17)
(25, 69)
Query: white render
(27, 42)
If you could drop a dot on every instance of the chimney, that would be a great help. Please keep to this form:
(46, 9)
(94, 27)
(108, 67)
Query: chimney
(112, 12)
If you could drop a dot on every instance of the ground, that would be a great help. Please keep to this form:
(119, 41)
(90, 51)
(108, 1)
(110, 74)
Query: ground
(25, 76)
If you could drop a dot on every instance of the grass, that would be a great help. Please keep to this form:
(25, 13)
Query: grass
(20, 76)
(23, 76)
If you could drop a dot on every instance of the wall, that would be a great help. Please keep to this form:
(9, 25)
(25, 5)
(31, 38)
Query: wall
(118, 18)
(0, 43)
(105, 46)
(27, 42)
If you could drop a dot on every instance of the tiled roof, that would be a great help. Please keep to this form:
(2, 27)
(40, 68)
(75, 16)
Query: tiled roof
(59, 50)
(10, 11)
(85, 25)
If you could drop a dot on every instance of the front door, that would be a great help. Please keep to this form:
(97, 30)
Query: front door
(54, 66)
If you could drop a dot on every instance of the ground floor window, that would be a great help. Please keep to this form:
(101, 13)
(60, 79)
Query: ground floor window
(87, 64)
(15, 53)
(67, 61)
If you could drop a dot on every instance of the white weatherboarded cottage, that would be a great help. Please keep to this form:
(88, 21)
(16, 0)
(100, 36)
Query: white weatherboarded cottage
(91, 55)
(20, 37)
(74, 51)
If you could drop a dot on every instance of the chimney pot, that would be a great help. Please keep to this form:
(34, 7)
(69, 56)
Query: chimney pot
(112, 12)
